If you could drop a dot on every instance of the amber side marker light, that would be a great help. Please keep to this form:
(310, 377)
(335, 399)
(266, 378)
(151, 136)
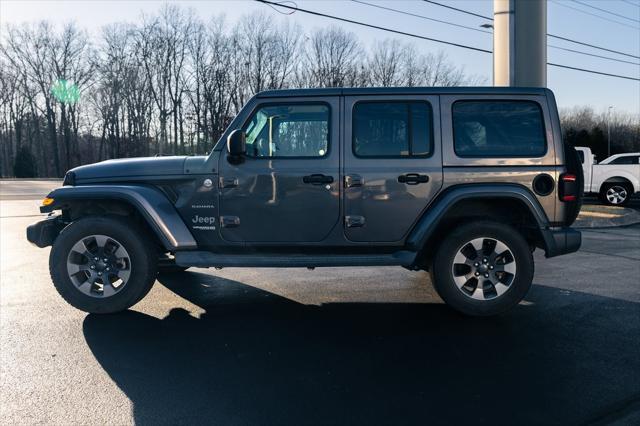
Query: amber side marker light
(47, 201)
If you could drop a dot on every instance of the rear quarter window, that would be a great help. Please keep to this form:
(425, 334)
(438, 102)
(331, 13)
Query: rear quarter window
(498, 129)
(625, 160)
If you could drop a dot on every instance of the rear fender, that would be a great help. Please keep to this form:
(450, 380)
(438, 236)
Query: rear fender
(421, 235)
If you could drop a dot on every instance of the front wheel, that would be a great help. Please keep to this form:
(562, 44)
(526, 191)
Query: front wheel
(483, 268)
(102, 264)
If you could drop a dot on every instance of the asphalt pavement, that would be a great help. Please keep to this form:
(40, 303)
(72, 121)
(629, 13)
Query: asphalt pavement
(333, 345)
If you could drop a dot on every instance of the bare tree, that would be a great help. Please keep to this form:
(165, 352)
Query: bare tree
(386, 62)
(331, 59)
(25, 48)
(583, 126)
(71, 60)
(172, 82)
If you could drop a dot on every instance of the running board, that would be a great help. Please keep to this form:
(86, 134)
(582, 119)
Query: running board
(205, 259)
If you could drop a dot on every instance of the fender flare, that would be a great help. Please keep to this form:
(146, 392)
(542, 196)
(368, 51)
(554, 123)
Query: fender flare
(621, 176)
(431, 219)
(151, 203)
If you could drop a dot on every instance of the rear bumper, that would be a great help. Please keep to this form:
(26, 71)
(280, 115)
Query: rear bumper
(44, 233)
(561, 241)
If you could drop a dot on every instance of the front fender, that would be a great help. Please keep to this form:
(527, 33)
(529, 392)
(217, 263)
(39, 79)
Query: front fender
(151, 203)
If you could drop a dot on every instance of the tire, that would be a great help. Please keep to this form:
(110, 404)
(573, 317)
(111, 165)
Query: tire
(508, 273)
(615, 194)
(130, 267)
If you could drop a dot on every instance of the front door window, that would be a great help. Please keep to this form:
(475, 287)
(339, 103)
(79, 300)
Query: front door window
(300, 130)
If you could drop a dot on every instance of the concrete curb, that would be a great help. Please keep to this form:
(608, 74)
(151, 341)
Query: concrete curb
(30, 179)
(600, 216)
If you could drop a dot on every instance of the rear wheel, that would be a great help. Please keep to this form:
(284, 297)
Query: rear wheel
(615, 194)
(102, 264)
(483, 268)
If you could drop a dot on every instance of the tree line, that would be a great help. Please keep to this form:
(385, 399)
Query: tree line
(582, 126)
(172, 82)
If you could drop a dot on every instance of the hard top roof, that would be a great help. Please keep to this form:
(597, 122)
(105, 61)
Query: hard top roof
(352, 91)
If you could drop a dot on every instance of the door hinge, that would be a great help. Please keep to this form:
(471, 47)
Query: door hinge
(354, 221)
(228, 182)
(229, 221)
(353, 180)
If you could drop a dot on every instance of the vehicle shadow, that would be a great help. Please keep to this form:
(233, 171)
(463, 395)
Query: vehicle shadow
(258, 358)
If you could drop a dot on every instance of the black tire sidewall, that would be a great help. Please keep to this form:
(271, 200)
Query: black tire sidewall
(143, 263)
(443, 278)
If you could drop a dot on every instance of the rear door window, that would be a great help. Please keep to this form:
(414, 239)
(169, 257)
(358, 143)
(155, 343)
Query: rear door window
(392, 129)
(498, 129)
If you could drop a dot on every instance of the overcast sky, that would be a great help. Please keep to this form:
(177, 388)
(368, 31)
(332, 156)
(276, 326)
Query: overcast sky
(571, 87)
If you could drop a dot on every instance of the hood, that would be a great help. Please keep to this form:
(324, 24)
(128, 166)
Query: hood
(130, 167)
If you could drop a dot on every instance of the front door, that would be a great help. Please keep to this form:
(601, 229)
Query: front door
(287, 188)
(392, 165)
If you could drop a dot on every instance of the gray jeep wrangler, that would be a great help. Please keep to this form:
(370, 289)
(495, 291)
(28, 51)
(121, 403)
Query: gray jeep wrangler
(462, 182)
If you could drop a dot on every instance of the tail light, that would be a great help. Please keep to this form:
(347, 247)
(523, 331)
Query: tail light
(569, 187)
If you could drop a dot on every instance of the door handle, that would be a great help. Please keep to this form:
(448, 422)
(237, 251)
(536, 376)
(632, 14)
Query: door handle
(317, 179)
(413, 178)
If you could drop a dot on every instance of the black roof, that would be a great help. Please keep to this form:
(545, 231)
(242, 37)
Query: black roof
(486, 90)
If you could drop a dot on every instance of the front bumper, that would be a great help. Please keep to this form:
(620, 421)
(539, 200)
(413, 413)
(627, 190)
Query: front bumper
(44, 233)
(561, 241)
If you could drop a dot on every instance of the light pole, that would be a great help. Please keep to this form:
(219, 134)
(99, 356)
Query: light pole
(609, 131)
(520, 43)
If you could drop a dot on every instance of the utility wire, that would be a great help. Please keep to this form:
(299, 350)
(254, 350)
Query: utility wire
(422, 17)
(593, 71)
(311, 12)
(458, 10)
(564, 4)
(605, 11)
(593, 54)
(548, 35)
(593, 45)
(324, 15)
(281, 12)
(631, 3)
(490, 32)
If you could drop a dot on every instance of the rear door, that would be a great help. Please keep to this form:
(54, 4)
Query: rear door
(392, 164)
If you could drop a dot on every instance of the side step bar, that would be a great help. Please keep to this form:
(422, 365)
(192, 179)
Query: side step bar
(205, 259)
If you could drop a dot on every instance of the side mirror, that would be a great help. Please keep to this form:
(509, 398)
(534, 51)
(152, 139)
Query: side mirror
(236, 146)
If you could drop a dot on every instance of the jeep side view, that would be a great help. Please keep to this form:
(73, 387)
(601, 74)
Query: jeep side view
(462, 182)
